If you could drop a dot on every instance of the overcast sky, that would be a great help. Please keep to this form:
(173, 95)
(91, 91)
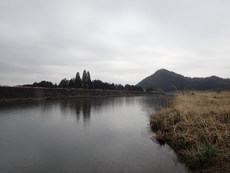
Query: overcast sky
(120, 41)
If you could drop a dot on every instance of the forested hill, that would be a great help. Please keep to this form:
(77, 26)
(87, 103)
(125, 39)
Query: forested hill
(169, 81)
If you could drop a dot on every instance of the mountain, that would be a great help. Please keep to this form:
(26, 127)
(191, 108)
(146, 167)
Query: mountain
(169, 81)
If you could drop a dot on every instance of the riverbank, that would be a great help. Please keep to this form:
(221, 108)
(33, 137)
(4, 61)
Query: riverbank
(197, 127)
(12, 94)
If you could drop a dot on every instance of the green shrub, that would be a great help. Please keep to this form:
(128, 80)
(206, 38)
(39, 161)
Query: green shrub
(205, 156)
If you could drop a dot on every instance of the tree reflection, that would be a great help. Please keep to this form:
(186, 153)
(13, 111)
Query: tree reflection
(83, 107)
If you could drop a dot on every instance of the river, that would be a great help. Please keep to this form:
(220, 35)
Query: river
(82, 136)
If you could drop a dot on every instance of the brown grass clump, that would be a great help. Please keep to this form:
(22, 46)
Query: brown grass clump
(197, 127)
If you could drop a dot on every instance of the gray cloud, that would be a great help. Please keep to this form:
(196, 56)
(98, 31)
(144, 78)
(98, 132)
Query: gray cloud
(117, 41)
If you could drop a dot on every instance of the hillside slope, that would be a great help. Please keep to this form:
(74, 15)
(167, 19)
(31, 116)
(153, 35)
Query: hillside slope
(169, 81)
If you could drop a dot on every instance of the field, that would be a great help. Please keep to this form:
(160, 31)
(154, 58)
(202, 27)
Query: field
(197, 126)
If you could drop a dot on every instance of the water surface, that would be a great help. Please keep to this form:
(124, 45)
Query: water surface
(83, 135)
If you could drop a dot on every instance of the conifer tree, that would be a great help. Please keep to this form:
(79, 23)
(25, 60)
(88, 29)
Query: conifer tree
(88, 81)
(78, 83)
(72, 83)
(84, 79)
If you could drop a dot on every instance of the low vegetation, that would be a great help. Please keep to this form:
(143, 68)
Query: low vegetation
(197, 126)
(85, 83)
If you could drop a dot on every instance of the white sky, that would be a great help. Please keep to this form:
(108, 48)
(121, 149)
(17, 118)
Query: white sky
(120, 41)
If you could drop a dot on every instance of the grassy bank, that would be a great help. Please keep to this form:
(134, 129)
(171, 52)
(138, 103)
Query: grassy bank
(197, 127)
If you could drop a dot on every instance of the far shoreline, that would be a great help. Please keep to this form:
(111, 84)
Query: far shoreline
(25, 94)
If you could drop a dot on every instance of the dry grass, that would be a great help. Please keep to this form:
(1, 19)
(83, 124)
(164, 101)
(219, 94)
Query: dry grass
(197, 126)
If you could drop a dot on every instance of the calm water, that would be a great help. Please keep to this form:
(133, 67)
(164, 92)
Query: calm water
(83, 135)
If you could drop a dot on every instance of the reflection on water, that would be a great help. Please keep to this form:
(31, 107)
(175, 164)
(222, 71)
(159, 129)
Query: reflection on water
(83, 135)
(83, 106)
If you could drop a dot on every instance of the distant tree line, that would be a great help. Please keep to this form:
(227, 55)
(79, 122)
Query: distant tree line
(86, 83)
